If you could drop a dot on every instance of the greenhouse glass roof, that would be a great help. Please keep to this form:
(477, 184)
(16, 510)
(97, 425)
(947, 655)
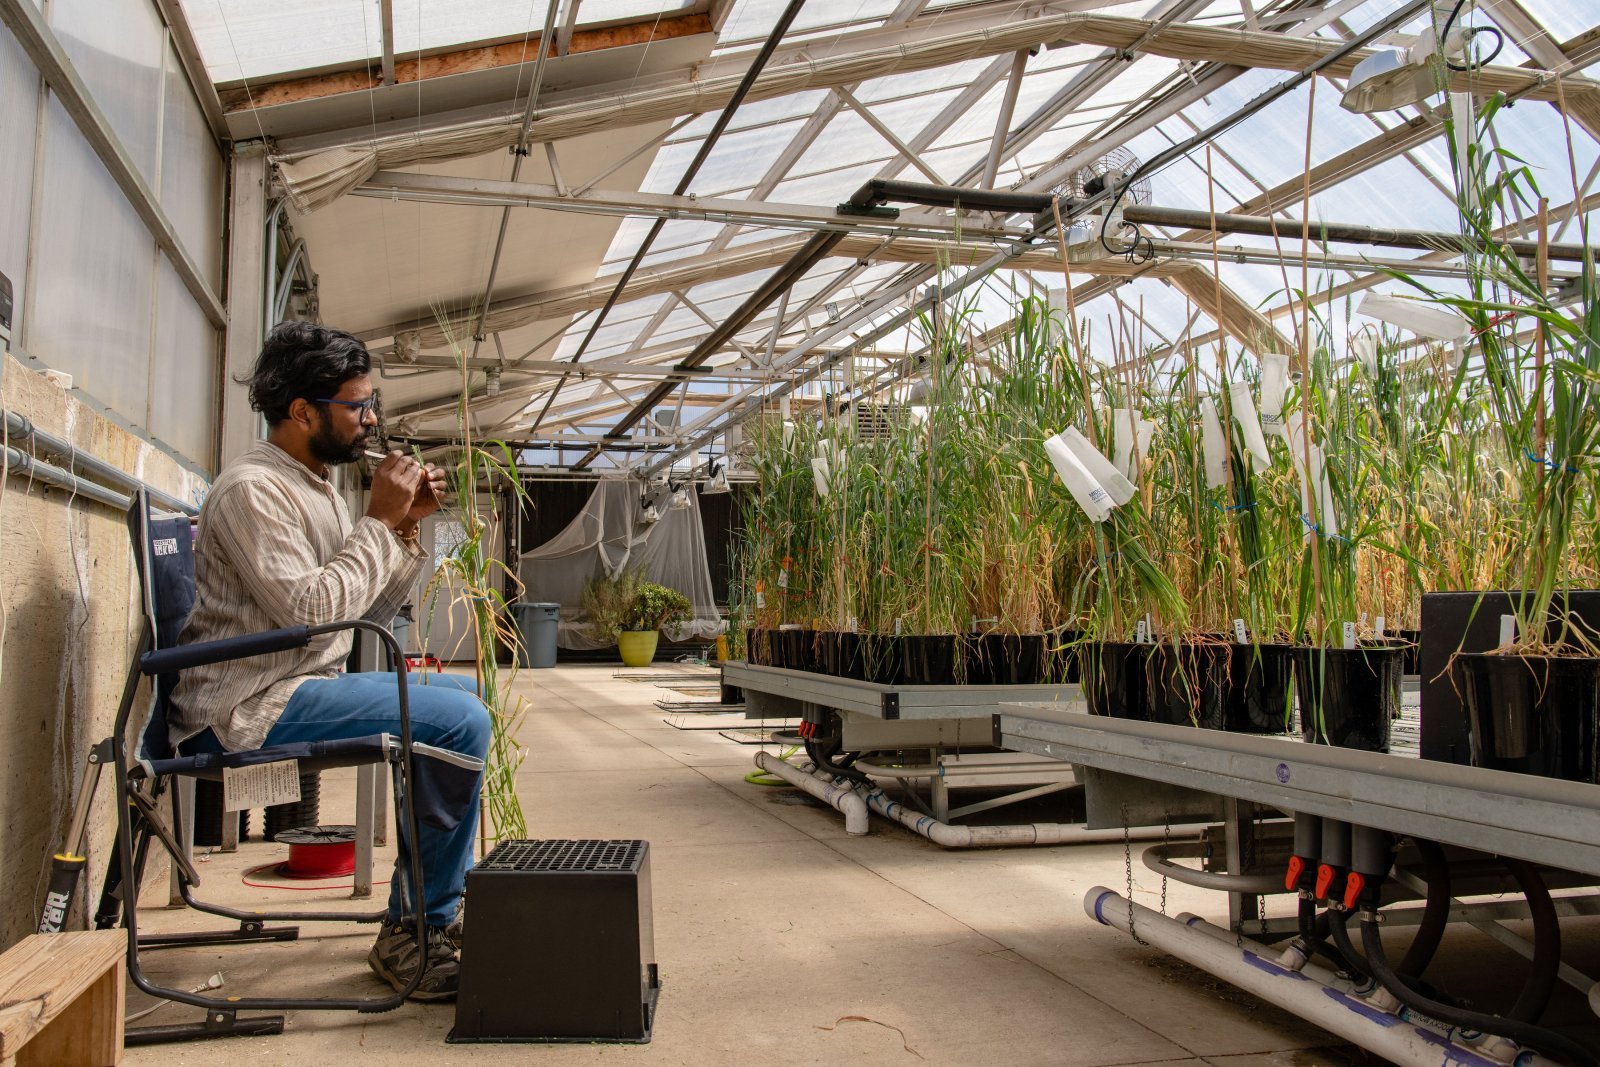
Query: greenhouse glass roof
(433, 241)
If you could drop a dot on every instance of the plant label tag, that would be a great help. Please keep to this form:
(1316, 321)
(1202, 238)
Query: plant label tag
(1142, 632)
(1349, 635)
(761, 599)
(1363, 620)
(972, 624)
(853, 623)
(783, 578)
(897, 625)
(1377, 625)
(260, 786)
(1239, 633)
(1508, 629)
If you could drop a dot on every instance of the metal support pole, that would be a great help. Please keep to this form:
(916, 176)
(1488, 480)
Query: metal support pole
(1236, 818)
(1002, 122)
(365, 794)
(182, 796)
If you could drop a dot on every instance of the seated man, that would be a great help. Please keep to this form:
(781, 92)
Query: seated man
(277, 548)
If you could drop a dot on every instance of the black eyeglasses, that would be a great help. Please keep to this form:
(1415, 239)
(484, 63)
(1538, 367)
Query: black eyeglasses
(364, 407)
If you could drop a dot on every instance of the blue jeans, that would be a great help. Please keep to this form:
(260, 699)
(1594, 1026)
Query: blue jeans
(445, 713)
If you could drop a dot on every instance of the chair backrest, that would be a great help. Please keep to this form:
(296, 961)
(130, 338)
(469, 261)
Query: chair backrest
(163, 549)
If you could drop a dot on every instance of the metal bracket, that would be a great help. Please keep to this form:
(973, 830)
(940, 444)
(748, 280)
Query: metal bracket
(879, 212)
(891, 705)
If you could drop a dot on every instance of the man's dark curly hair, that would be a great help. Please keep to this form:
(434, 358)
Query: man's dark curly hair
(301, 359)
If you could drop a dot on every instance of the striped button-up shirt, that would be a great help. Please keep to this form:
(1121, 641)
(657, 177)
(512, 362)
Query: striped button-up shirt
(277, 548)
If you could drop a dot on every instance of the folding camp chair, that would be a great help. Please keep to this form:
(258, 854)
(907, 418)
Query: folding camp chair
(164, 552)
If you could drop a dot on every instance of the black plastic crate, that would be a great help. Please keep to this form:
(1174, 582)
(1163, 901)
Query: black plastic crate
(558, 944)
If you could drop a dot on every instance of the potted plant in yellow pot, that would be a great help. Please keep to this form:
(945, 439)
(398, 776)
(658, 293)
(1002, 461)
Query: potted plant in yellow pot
(632, 612)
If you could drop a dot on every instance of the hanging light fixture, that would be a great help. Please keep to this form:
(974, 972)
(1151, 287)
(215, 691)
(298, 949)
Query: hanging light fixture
(718, 482)
(1399, 77)
(1390, 79)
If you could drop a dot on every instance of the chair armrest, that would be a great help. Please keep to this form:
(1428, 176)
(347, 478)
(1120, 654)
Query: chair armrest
(182, 657)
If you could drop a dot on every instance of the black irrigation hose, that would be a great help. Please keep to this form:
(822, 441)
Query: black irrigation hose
(1546, 942)
(1547, 1041)
(823, 751)
(1308, 922)
(1466, 43)
(1322, 943)
(1314, 931)
(1435, 913)
(1355, 963)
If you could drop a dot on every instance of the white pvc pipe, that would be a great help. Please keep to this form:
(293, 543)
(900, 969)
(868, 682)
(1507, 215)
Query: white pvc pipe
(946, 835)
(1352, 1018)
(1290, 958)
(846, 800)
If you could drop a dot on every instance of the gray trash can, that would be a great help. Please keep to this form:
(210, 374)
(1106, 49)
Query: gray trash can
(401, 628)
(538, 624)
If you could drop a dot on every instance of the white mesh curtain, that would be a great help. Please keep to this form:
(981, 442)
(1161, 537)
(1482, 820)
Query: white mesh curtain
(607, 538)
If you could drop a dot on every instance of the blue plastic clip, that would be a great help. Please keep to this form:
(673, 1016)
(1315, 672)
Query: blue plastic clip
(1317, 529)
(1550, 463)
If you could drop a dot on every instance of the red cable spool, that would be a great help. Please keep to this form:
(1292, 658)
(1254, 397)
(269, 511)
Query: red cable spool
(318, 852)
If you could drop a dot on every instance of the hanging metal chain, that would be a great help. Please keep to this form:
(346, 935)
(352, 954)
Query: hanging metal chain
(1261, 900)
(1127, 866)
(1166, 836)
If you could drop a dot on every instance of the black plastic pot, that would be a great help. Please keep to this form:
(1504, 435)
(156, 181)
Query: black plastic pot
(1532, 715)
(758, 647)
(826, 644)
(794, 649)
(1262, 689)
(1218, 685)
(931, 659)
(1063, 657)
(840, 654)
(1113, 678)
(803, 653)
(881, 659)
(1185, 685)
(1006, 659)
(1348, 697)
(1412, 661)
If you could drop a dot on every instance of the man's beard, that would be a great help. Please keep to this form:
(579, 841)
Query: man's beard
(327, 448)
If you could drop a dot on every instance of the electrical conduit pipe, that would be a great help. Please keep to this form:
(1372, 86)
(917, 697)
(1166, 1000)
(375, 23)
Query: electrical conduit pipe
(842, 798)
(1352, 1018)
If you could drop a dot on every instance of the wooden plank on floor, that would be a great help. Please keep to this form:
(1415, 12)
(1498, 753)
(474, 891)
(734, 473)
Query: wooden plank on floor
(62, 998)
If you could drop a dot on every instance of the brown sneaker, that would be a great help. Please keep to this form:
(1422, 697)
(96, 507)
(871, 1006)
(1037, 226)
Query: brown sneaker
(396, 955)
(458, 926)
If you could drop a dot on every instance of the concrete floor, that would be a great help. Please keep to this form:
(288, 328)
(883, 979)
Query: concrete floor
(779, 939)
